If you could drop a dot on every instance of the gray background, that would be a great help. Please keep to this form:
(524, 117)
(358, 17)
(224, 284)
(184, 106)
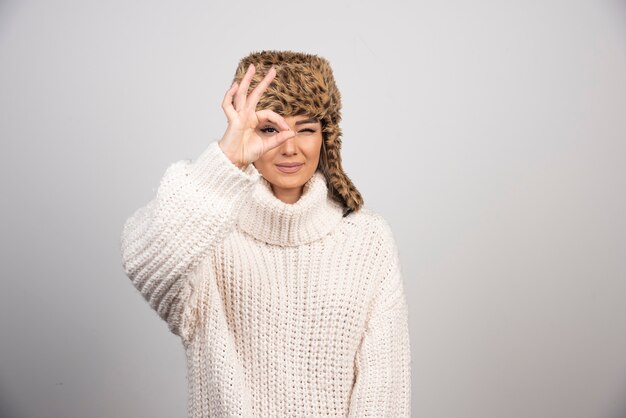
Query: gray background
(491, 135)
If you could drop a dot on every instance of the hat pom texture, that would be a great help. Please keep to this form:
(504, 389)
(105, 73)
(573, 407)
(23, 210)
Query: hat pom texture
(304, 85)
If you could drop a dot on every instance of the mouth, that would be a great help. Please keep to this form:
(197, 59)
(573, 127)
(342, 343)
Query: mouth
(289, 167)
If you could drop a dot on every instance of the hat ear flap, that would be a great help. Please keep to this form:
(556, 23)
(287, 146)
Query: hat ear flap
(339, 184)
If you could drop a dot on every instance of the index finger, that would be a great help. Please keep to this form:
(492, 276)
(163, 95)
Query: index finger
(255, 95)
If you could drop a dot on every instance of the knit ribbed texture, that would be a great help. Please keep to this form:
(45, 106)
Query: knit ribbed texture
(284, 310)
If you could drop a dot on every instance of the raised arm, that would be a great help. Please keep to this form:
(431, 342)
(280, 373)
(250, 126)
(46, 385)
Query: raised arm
(383, 361)
(195, 207)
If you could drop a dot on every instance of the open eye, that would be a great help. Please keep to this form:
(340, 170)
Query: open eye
(267, 128)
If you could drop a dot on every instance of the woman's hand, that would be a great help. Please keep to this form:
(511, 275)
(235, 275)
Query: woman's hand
(241, 142)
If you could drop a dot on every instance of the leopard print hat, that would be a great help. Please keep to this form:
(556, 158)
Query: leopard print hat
(304, 85)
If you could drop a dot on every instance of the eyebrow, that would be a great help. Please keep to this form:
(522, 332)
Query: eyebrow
(312, 120)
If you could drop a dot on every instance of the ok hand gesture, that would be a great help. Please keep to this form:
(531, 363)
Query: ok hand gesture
(241, 142)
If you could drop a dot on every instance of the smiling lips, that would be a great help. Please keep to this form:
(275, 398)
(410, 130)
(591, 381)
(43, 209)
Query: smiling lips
(289, 167)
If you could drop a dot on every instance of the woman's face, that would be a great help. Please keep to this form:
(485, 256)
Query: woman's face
(303, 149)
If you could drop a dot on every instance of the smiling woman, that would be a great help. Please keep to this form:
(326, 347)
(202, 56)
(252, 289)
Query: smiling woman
(285, 289)
(289, 166)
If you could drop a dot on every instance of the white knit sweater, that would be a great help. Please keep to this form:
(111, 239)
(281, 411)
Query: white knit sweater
(284, 310)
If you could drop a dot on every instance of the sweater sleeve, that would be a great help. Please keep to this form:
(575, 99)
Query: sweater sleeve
(195, 206)
(382, 385)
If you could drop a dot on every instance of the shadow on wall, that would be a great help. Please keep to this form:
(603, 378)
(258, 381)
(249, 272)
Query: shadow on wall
(7, 9)
(620, 407)
(620, 6)
(7, 410)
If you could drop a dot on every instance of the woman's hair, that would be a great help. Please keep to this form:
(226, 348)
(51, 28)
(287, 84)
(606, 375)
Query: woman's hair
(304, 85)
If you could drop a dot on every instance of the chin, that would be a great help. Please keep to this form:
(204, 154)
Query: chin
(289, 180)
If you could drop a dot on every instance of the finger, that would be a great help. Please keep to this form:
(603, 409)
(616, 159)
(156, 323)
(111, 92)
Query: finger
(275, 140)
(273, 117)
(256, 94)
(240, 97)
(227, 103)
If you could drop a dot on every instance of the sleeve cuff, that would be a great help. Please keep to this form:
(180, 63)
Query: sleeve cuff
(213, 172)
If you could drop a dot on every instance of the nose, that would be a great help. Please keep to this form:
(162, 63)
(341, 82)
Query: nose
(289, 146)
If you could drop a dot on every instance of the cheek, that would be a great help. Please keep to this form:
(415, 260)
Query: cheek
(314, 147)
(265, 159)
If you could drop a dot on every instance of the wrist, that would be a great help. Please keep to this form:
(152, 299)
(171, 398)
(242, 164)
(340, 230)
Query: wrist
(232, 159)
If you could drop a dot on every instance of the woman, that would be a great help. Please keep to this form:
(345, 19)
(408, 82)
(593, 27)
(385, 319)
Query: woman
(285, 290)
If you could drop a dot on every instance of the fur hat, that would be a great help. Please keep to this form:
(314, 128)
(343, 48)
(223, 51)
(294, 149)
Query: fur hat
(304, 85)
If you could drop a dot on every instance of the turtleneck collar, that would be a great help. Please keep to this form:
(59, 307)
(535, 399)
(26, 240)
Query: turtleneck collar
(269, 219)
